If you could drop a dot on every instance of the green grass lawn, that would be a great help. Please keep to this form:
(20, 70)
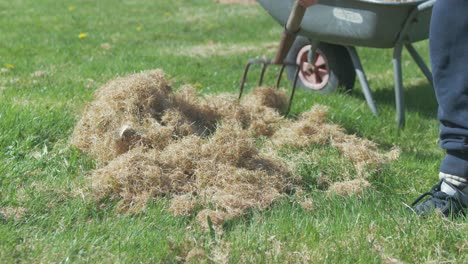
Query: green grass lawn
(49, 73)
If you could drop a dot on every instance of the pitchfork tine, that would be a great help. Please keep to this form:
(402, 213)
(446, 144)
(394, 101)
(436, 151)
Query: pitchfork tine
(278, 81)
(244, 79)
(291, 97)
(262, 74)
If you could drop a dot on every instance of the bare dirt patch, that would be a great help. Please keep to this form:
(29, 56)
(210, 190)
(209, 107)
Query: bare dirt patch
(211, 155)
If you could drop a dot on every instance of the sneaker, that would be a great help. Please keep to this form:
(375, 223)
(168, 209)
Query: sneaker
(447, 205)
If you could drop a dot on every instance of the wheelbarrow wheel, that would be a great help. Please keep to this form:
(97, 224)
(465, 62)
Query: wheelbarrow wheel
(331, 69)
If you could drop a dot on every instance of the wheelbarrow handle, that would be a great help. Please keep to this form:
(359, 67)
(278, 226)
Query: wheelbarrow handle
(289, 33)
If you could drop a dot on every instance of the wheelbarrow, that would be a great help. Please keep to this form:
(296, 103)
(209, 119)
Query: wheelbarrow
(323, 56)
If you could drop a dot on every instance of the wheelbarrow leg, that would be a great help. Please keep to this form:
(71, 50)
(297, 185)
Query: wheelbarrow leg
(420, 62)
(313, 48)
(362, 78)
(399, 97)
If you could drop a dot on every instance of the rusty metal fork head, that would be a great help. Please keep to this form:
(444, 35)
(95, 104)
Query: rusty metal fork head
(265, 63)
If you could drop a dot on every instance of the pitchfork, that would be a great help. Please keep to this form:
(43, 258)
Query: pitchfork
(289, 35)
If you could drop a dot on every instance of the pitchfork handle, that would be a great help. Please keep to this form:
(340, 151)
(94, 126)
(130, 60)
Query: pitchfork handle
(289, 33)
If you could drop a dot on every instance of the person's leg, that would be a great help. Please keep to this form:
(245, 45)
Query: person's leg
(449, 58)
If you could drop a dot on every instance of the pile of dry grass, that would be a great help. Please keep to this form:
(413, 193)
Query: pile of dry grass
(202, 152)
(152, 142)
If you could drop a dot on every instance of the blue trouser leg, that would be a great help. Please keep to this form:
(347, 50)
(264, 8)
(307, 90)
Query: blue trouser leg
(449, 58)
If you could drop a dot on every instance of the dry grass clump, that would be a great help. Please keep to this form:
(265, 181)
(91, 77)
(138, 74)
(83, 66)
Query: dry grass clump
(309, 129)
(134, 102)
(15, 213)
(132, 177)
(203, 153)
(347, 188)
(364, 153)
(264, 107)
(307, 204)
(140, 110)
(193, 114)
(260, 112)
(196, 255)
(216, 218)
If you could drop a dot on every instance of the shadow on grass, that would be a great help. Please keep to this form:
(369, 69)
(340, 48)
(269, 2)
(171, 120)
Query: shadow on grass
(418, 98)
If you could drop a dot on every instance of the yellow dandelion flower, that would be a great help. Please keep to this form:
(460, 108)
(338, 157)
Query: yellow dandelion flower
(198, 85)
(167, 14)
(10, 66)
(139, 28)
(71, 8)
(82, 35)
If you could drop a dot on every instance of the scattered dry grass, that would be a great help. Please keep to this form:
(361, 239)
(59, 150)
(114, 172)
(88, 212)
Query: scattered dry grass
(240, 2)
(196, 255)
(347, 188)
(210, 49)
(203, 152)
(15, 213)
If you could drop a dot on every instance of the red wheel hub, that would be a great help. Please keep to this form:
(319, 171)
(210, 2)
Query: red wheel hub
(314, 75)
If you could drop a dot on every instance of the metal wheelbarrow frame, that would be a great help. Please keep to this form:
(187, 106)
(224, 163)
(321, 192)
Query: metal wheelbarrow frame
(365, 23)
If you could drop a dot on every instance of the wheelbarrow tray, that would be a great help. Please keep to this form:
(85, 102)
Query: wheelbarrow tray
(367, 23)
